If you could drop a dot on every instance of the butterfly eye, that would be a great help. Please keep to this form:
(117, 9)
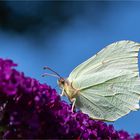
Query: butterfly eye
(62, 81)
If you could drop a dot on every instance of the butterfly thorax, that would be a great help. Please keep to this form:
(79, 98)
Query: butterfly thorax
(69, 91)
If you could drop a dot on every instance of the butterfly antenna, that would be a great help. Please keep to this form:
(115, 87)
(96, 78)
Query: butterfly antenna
(55, 73)
(48, 74)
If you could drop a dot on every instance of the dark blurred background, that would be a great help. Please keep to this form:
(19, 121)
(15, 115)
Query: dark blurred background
(62, 34)
(24, 17)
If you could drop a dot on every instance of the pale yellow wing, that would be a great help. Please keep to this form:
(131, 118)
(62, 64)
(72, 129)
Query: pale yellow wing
(118, 55)
(110, 100)
(108, 82)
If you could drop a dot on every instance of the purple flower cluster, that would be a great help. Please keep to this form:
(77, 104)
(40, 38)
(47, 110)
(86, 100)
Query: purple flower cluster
(31, 110)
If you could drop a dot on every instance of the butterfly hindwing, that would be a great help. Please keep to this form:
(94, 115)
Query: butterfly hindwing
(110, 100)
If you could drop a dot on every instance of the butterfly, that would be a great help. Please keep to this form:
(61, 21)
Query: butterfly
(107, 85)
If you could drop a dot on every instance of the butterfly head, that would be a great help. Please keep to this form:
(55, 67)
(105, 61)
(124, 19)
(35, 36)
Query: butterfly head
(65, 85)
(61, 82)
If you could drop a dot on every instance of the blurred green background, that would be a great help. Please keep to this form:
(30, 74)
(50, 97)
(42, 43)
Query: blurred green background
(62, 34)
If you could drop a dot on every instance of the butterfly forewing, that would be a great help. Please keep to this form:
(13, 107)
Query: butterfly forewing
(118, 55)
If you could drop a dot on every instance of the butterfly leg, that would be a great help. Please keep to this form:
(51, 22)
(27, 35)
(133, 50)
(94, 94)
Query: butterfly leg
(63, 93)
(73, 100)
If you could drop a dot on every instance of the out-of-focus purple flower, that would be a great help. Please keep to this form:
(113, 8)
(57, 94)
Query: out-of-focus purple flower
(124, 135)
(31, 110)
(137, 136)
